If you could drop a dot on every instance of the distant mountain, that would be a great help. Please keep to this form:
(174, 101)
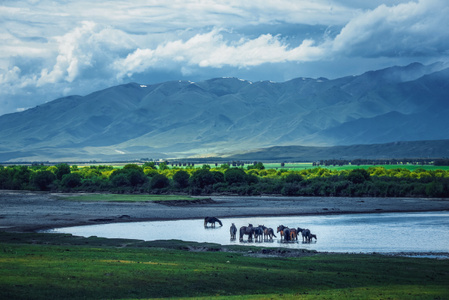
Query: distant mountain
(222, 115)
(396, 150)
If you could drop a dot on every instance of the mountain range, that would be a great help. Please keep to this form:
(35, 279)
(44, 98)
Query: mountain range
(229, 115)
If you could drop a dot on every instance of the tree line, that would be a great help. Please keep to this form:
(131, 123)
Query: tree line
(255, 179)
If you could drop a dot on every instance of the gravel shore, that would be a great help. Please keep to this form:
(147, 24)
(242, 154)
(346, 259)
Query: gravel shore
(24, 211)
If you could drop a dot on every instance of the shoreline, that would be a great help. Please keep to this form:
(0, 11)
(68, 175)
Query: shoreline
(27, 211)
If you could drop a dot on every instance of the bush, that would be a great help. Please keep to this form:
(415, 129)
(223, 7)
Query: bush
(159, 181)
(62, 169)
(358, 176)
(202, 178)
(181, 179)
(235, 176)
(43, 179)
(71, 180)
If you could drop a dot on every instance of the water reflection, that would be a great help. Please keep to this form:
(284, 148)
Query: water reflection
(387, 232)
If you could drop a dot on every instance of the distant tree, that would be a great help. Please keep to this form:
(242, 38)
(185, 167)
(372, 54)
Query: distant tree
(235, 175)
(224, 166)
(136, 177)
(132, 167)
(218, 176)
(63, 169)
(202, 178)
(358, 176)
(150, 164)
(119, 179)
(163, 166)
(181, 179)
(71, 180)
(292, 177)
(257, 166)
(21, 177)
(159, 181)
(43, 179)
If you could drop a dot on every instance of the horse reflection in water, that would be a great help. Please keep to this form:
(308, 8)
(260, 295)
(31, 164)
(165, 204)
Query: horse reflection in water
(233, 231)
(248, 230)
(212, 220)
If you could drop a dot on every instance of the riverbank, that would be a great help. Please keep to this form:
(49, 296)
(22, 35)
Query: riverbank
(24, 211)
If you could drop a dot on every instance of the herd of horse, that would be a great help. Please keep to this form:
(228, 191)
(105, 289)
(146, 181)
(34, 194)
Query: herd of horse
(262, 233)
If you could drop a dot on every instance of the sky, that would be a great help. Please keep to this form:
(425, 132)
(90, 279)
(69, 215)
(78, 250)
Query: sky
(53, 49)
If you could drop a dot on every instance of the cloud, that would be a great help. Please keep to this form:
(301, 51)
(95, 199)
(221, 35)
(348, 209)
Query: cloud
(408, 29)
(81, 49)
(48, 50)
(212, 50)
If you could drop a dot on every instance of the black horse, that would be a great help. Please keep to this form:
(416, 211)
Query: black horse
(248, 230)
(258, 233)
(211, 220)
(233, 231)
(305, 234)
(286, 232)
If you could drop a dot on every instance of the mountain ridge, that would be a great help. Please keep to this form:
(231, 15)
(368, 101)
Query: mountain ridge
(223, 115)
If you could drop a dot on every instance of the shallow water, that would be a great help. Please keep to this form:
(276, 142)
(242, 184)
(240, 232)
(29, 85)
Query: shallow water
(353, 233)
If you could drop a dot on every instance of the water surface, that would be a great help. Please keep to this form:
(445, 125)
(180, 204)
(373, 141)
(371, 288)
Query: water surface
(353, 233)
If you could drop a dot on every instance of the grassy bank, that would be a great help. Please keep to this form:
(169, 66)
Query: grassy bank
(54, 266)
(127, 198)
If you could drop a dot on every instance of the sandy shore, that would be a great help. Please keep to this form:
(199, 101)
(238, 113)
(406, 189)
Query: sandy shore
(23, 211)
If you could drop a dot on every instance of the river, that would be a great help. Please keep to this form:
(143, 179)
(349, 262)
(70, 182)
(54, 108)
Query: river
(426, 232)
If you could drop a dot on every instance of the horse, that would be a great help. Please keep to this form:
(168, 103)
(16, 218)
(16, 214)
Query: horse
(211, 220)
(293, 234)
(313, 236)
(268, 232)
(258, 233)
(305, 234)
(248, 230)
(233, 231)
(286, 232)
(281, 230)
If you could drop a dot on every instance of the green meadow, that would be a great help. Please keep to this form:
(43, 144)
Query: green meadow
(127, 198)
(60, 266)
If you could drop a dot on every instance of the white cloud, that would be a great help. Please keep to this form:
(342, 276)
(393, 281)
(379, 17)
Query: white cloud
(80, 49)
(409, 29)
(212, 50)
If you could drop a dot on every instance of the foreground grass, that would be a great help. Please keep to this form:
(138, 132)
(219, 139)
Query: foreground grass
(126, 198)
(54, 266)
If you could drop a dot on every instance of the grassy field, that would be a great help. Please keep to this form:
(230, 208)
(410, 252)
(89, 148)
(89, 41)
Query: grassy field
(302, 166)
(55, 266)
(126, 198)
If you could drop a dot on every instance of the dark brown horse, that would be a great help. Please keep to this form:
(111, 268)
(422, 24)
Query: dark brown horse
(212, 220)
(267, 232)
(293, 234)
(281, 229)
(248, 230)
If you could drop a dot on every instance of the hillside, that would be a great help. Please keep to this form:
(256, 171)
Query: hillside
(396, 150)
(224, 115)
